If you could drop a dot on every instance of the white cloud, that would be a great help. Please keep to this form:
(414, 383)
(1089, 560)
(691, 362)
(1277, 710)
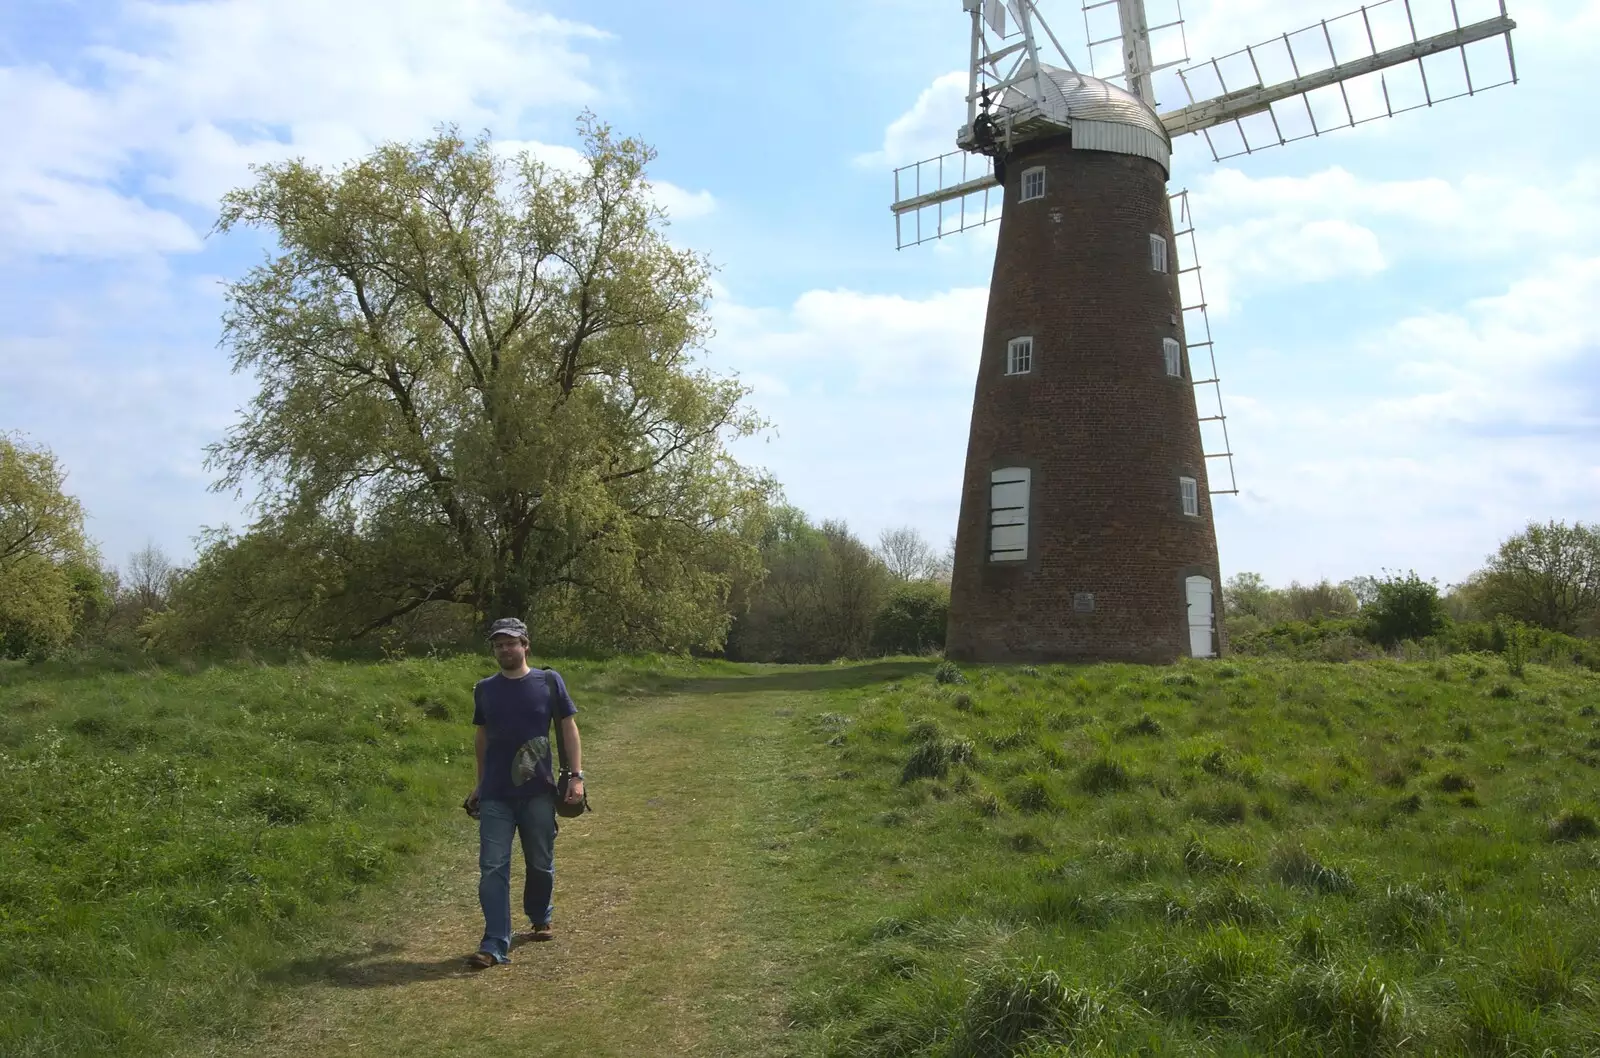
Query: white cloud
(681, 204)
(869, 397)
(1257, 235)
(862, 343)
(195, 92)
(1459, 427)
(116, 383)
(928, 129)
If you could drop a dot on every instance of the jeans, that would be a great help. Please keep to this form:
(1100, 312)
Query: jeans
(534, 819)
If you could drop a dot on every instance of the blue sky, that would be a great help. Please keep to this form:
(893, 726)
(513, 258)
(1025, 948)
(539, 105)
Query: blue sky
(1404, 312)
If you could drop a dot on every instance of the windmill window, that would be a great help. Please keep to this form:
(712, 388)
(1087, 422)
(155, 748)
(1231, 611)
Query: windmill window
(1173, 355)
(1158, 253)
(1019, 356)
(1190, 489)
(1032, 183)
(1008, 514)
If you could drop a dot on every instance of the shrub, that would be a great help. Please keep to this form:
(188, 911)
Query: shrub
(912, 619)
(1516, 651)
(1405, 608)
(946, 672)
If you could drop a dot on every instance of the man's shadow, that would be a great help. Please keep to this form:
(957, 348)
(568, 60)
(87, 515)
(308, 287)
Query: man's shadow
(369, 969)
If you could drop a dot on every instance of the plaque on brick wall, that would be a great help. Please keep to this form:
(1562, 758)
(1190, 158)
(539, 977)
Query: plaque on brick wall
(1083, 602)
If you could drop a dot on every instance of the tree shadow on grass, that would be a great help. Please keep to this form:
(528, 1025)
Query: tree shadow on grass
(799, 678)
(369, 969)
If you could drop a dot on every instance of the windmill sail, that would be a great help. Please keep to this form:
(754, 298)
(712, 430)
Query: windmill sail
(1371, 63)
(1128, 44)
(943, 196)
(955, 191)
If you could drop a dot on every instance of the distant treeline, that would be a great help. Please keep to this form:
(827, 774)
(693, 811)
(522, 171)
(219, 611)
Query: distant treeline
(1536, 598)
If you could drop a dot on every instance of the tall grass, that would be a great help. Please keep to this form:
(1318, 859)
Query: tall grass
(167, 837)
(1262, 856)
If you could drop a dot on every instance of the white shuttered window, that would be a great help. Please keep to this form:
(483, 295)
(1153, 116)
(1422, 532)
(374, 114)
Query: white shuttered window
(1158, 253)
(1008, 514)
(1190, 490)
(1173, 354)
(1019, 356)
(1032, 183)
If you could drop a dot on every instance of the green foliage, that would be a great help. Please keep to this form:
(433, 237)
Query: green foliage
(912, 618)
(820, 596)
(478, 393)
(1248, 595)
(1405, 608)
(1547, 575)
(1511, 639)
(1335, 639)
(49, 573)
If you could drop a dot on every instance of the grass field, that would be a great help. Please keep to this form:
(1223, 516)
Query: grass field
(1234, 858)
(166, 838)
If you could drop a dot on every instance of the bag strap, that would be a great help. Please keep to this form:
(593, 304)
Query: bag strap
(555, 690)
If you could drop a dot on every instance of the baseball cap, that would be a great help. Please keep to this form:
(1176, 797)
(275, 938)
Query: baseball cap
(508, 626)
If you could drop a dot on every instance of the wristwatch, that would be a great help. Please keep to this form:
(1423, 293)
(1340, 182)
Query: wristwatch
(575, 775)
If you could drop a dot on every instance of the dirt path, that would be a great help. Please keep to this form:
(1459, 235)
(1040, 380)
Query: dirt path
(666, 944)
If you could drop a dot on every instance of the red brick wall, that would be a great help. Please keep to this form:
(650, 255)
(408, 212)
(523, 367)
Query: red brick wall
(1106, 432)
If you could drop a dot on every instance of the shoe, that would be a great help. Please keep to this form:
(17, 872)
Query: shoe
(538, 933)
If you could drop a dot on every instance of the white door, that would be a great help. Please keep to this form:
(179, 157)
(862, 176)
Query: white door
(1198, 590)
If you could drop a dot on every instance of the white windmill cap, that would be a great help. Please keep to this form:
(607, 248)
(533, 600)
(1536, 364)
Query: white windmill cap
(1102, 116)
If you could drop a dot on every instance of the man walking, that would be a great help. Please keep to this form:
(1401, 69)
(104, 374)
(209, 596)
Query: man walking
(517, 789)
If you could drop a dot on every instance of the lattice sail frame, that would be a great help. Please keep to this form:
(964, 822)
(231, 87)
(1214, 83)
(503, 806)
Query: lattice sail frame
(1197, 325)
(1344, 71)
(1334, 75)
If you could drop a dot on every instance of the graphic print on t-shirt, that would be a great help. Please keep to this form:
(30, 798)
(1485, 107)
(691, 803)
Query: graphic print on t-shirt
(516, 714)
(532, 760)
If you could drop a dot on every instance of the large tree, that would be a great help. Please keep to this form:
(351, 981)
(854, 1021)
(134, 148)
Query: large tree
(1547, 575)
(820, 596)
(47, 566)
(480, 384)
(908, 555)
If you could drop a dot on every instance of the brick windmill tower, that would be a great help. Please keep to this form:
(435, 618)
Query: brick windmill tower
(1085, 530)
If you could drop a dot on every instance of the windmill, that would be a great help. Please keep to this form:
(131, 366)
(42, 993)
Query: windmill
(1085, 530)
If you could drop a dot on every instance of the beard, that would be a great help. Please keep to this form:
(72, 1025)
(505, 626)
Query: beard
(511, 660)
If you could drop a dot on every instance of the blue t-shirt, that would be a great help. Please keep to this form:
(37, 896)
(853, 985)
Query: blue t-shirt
(516, 714)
